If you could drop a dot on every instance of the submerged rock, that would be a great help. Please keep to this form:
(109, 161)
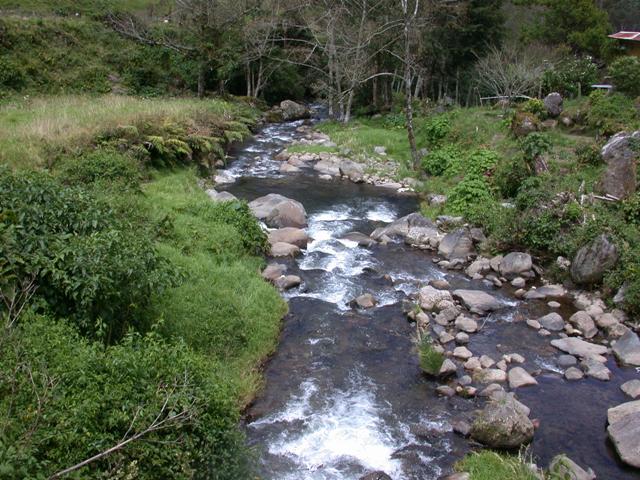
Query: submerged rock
(294, 236)
(552, 322)
(285, 282)
(413, 228)
(519, 377)
(631, 388)
(282, 249)
(364, 301)
(433, 299)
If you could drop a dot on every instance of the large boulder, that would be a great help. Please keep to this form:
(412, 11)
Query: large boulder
(278, 211)
(293, 111)
(554, 104)
(477, 301)
(624, 431)
(503, 423)
(515, 264)
(294, 236)
(431, 298)
(578, 347)
(352, 170)
(414, 228)
(593, 260)
(552, 322)
(524, 123)
(282, 249)
(619, 179)
(519, 377)
(456, 244)
(627, 349)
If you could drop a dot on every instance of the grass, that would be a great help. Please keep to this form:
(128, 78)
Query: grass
(222, 308)
(488, 465)
(311, 149)
(430, 359)
(80, 6)
(31, 128)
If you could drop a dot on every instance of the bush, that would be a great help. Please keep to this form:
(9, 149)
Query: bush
(66, 399)
(611, 113)
(430, 359)
(509, 176)
(88, 263)
(533, 146)
(103, 169)
(589, 154)
(572, 76)
(435, 130)
(478, 163)
(470, 191)
(536, 107)
(436, 163)
(625, 73)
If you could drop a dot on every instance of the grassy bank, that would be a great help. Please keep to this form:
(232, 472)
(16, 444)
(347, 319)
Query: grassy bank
(138, 308)
(487, 172)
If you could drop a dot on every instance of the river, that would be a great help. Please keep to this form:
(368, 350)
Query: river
(344, 395)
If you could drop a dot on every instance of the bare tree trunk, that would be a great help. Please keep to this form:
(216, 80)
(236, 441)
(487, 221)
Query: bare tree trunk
(202, 73)
(407, 82)
(347, 113)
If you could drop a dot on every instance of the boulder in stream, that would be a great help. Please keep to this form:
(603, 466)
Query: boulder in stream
(562, 467)
(477, 301)
(578, 347)
(278, 211)
(624, 431)
(456, 244)
(593, 260)
(503, 423)
(294, 236)
(515, 264)
(627, 349)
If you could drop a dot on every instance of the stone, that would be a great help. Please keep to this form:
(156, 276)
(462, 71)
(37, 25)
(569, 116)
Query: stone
(524, 123)
(440, 284)
(534, 324)
(352, 170)
(631, 388)
(477, 235)
(553, 304)
(549, 124)
(491, 389)
(503, 423)
(594, 369)
(458, 476)
(583, 322)
(466, 324)
(552, 322)
(220, 196)
(517, 358)
(445, 391)
(447, 368)
(447, 315)
(376, 476)
(294, 236)
(547, 291)
(573, 373)
(490, 375)
(619, 179)
(627, 349)
(502, 365)
(562, 467)
(431, 298)
(285, 282)
(477, 301)
(473, 364)
(456, 244)
(514, 264)
(480, 265)
(617, 330)
(414, 228)
(329, 167)
(593, 260)
(437, 200)
(445, 337)
(462, 338)
(543, 332)
(461, 427)
(495, 263)
(519, 377)
(278, 211)
(462, 353)
(578, 347)
(360, 238)
(486, 361)
(594, 311)
(518, 282)
(282, 249)
(625, 436)
(565, 361)
(288, 168)
(606, 320)
(365, 301)
(291, 110)
(223, 177)
(554, 104)
(273, 271)
(616, 414)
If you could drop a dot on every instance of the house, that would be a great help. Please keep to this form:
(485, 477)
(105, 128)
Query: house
(630, 41)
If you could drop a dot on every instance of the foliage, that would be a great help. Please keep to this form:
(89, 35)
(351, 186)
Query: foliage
(611, 113)
(535, 106)
(435, 130)
(64, 399)
(88, 263)
(489, 465)
(509, 176)
(470, 191)
(104, 169)
(430, 359)
(625, 73)
(589, 154)
(437, 162)
(395, 121)
(533, 146)
(571, 76)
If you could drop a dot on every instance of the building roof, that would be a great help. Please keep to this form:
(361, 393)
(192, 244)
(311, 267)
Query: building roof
(634, 36)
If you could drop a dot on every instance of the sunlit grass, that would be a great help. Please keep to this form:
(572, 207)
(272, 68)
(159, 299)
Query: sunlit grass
(489, 465)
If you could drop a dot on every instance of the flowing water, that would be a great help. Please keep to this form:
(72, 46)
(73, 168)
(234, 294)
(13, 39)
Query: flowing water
(344, 395)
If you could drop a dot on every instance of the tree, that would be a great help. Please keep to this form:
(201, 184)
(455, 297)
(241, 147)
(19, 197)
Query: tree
(410, 9)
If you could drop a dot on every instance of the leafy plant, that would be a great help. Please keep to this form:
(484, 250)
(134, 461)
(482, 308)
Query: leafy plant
(509, 176)
(536, 107)
(589, 154)
(102, 169)
(533, 146)
(611, 113)
(437, 162)
(430, 359)
(470, 191)
(435, 130)
(625, 73)
(571, 76)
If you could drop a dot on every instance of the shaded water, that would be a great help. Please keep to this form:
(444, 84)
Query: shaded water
(344, 395)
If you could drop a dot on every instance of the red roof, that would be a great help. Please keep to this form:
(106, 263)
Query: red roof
(634, 36)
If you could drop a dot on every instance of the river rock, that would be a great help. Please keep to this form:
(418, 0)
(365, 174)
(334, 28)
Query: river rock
(458, 476)
(294, 236)
(360, 238)
(562, 467)
(291, 110)
(573, 373)
(477, 301)
(473, 364)
(627, 349)
(620, 177)
(491, 375)
(565, 361)
(220, 196)
(278, 211)
(578, 347)
(414, 228)
(534, 324)
(593, 260)
(352, 170)
(519, 377)
(445, 390)
(376, 476)
(285, 282)
(595, 369)
(288, 168)
(631, 388)
(329, 166)
(514, 264)
(273, 271)
(463, 353)
(282, 249)
(553, 103)
(447, 368)
(552, 322)
(456, 244)
(479, 266)
(486, 361)
(547, 291)
(462, 338)
(503, 423)
(431, 298)
(583, 322)
(624, 431)
(466, 324)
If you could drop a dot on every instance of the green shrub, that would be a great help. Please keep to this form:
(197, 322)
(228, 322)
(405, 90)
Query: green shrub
(611, 113)
(102, 169)
(88, 263)
(625, 73)
(533, 146)
(572, 76)
(470, 191)
(509, 176)
(589, 154)
(481, 162)
(631, 209)
(430, 359)
(64, 399)
(536, 107)
(435, 130)
(395, 121)
(436, 163)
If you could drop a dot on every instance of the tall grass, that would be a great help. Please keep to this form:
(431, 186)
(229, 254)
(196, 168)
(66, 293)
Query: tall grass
(488, 465)
(31, 128)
